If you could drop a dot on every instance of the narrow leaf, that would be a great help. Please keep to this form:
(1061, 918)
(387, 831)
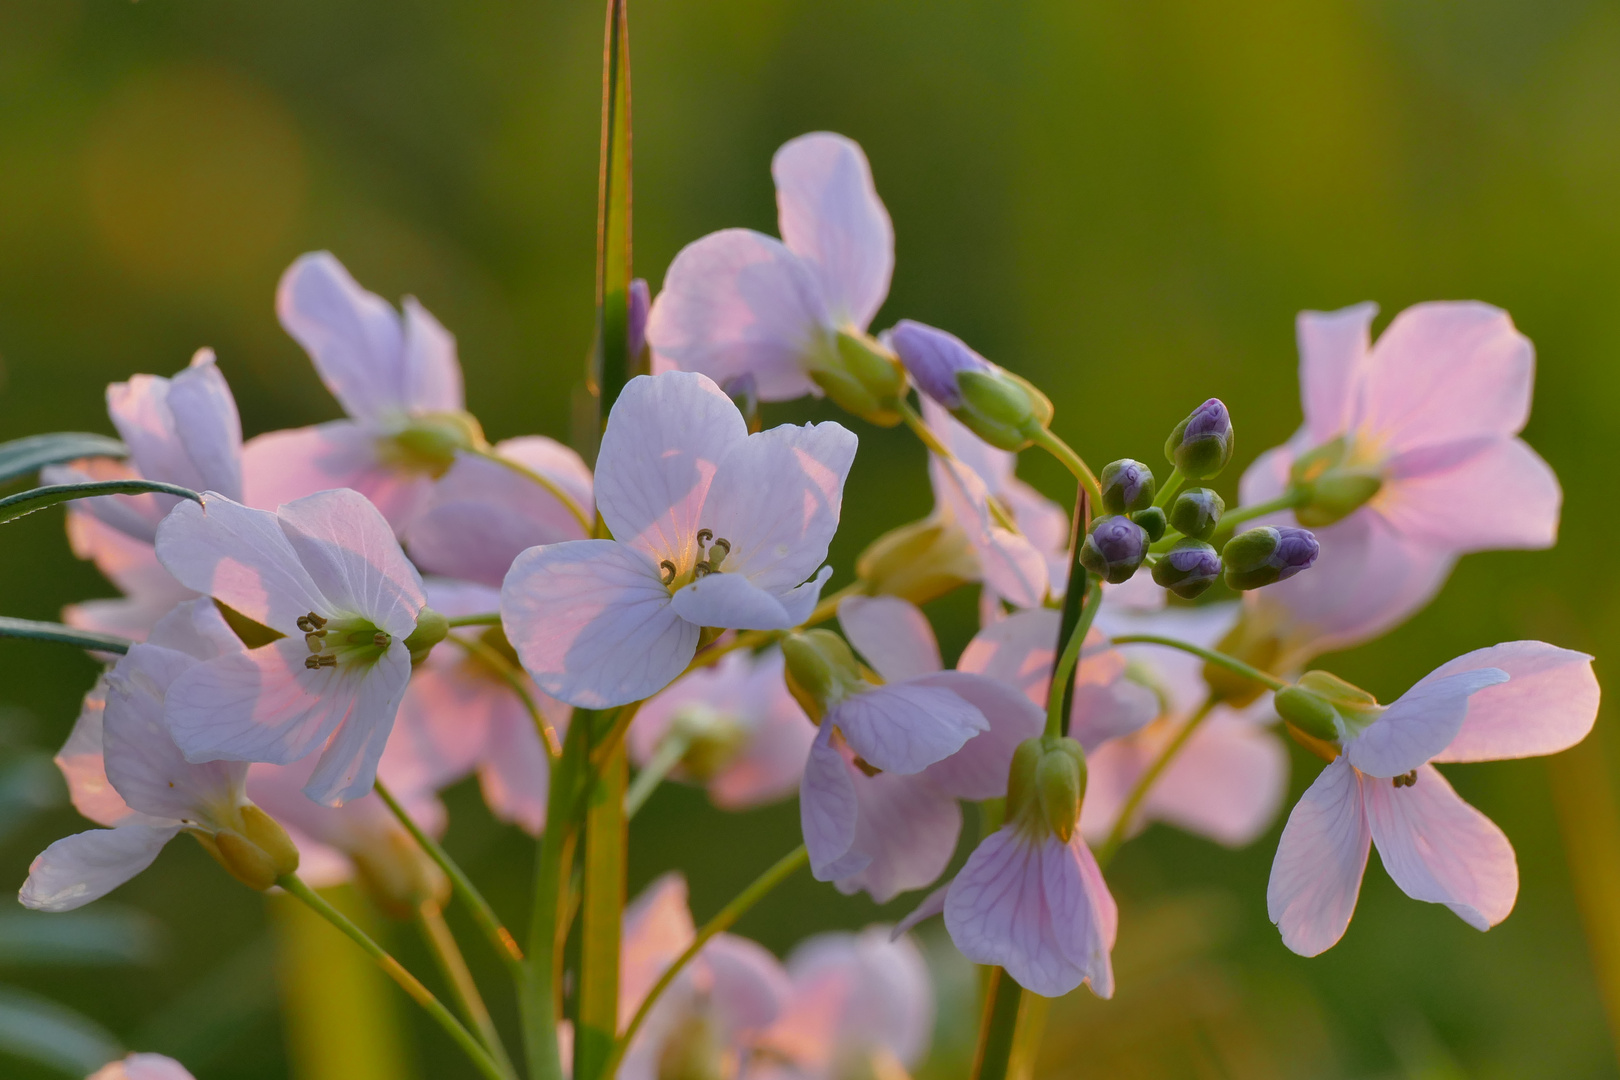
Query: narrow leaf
(26, 502)
(29, 784)
(20, 457)
(104, 937)
(38, 1029)
(613, 365)
(62, 635)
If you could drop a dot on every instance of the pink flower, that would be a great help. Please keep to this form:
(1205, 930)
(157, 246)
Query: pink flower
(712, 526)
(396, 377)
(481, 515)
(861, 1005)
(740, 732)
(1521, 699)
(142, 1067)
(715, 1012)
(878, 800)
(740, 304)
(326, 572)
(125, 772)
(461, 715)
(1414, 443)
(183, 430)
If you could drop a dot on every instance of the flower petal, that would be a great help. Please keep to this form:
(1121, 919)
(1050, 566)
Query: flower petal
(892, 634)
(737, 303)
(664, 440)
(87, 866)
(242, 558)
(979, 770)
(195, 627)
(84, 767)
(1439, 849)
(828, 811)
(1010, 563)
(731, 601)
(1419, 724)
(593, 623)
(432, 373)
(657, 929)
(1548, 704)
(353, 336)
(907, 827)
(831, 216)
(351, 554)
(868, 990)
(207, 425)
(1316, 875)
(776, 498)
(745, 984)
(906, 727)
(1461, 508)
(1333, 347)
(347, 768)
(515, 774)
(142, 1067)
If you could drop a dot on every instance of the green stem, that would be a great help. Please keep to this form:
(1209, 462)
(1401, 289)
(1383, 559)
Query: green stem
(1233, 518)
(412, 986)
(551, 487)
(442, 943)
(506, 946)
(998, 1027)
(920, 428)
(670, 750)
(32, 630)
(1063, 670)
(514, 678)
(1171, 486)
(728, 916)
(601, 913)
(1230, 663)
(1046, 440)
(540, 998)
(1144, 784)
(492, 618)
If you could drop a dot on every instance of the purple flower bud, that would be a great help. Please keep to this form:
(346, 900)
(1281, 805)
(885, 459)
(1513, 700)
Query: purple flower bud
(1201, 445)
(933, 357)
(1127, 486)
(1114, 548)
(1297, 550)
(1188, 568)
(1267, 555)
(636, 317)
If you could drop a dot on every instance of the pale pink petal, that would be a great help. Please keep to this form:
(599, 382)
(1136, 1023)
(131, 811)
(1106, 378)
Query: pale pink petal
(1419, 724)
(892, 634)
(242, 558)
(994, 467)
(933, 904)
(1017, 651)
(128, 562)
(1177, 676)
(87, 866)
(281, 466)
(907, 827)
(432, 380)
(1503, 496)
(745, 986)
(829, 811)
(906, 727)
(734, 602)
(831, 216)
(353, 336)
(347, 767)
(979, 770)
(1267, 476)
(592, 622)
(1227, 783)
(1446, 372)
(664, 440)
(351, 554)
(1108, 705)
(84, 769)
(195, 627)
(854, 993)
(207, 425)
(737, 303)
(657, 929)
(139, 409)
(776, 498)
(1439, 849)
(515, 775)
(142, 1067)
(1316, 875)
(443, 727)
(1333, 347)
(1112, 771)
(1549, 703)
(133, 517)
(1010, 563)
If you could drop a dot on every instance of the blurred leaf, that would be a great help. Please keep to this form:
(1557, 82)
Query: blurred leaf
(35, 630)
(613, 261)
(202, 1022)
(22, 456)
(39, 1029)
(89, 938)
(28, 785)
(26, 502)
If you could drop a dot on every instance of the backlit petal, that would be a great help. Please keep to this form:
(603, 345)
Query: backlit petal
(831, 216)
(1419, 724)
(892, 634)
(1504, 496)
(353, 336)
(906, 727)
(1316, 875)
(348, 766)
(828, 811)
(207, 425)
(242, 558)
(432, 380)
(979, 770)
(1549, 703)
(351, 554)
(87, 866)
(1333, 347)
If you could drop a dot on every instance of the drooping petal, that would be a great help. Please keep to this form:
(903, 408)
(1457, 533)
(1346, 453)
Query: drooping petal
(1439, 849)
(242, 558)
(515, 774)
(737, 303)
(664, 440)
(907, 827)
(347, 768)
(351, 555)
(84, 768)
(87, 866)
(353, 336)
(207, 425)
(828, 811)
(1333, 346)
(776, 498)
(906, 727)
(1446, 372)
(1548, 704)
(892, 634)
(979, 770)
(593, 624)
(1503, 496)
(432, 373)
(1316, 875)
(831, 216)
(1419, 724)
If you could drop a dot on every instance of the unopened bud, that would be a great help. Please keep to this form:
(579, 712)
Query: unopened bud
(1311, 714)
(1127, 486)
(996, 405)
(268, 835)
(861, 377)
(1046, 784)
(1201, 445)
(431, 628)
(1196, 512)
(1114, 548)
(1267, 555)
(1188, 568)
(821, 670)
(919, 561)
(1335, 485)
(1153, 522)
(247, 862)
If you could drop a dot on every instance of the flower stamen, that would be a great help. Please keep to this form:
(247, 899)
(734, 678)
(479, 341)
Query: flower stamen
(1404, 780)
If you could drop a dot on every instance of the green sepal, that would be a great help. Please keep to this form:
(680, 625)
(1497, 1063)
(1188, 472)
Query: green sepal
(1311, 714)
(862, 378)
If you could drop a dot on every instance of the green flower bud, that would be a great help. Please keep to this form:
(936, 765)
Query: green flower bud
(862, 377)
(821, 670)
(1196, 512)
(1127, 486)
(1188, 568)
(1306, 711)
(268, 836)
(1001, 408)
(1046, 785)
(919, 562)
(431, 628)
(1153, 522)
(1336, 484)
(1266, 555)
(1201, 445)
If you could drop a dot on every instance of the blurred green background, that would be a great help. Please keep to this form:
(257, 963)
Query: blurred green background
(1126, 202)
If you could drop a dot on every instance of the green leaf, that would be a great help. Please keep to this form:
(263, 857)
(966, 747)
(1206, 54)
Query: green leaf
(62, 635)
(26, 502)
(107, 936)
(29, 785)
(614, 366)
(38, 1029)
(22, 456)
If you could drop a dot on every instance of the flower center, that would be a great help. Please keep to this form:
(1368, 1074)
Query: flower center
(428, 443)
(708, 561)
(342, 641)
